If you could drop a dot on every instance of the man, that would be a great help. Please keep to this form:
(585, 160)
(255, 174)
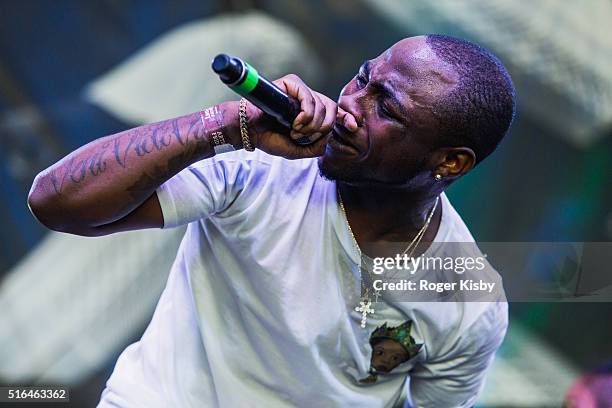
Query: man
(260, 305)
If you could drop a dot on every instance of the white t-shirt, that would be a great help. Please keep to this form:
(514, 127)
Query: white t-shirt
(259, 308)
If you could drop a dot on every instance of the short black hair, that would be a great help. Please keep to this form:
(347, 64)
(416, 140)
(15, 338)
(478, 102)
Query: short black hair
(479, 110)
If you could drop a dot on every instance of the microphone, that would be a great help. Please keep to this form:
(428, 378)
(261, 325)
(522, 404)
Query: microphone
(247, 82)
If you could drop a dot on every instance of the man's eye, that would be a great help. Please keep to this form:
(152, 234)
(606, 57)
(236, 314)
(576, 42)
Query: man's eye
(360, 80)
(385, 110)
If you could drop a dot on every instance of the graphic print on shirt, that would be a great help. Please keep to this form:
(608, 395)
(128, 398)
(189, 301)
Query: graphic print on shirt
(391, 346)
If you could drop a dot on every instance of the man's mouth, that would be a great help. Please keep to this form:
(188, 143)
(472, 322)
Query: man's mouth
(339, 141)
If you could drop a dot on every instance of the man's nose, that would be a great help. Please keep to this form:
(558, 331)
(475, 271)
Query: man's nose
(387, 361)
(351, 104)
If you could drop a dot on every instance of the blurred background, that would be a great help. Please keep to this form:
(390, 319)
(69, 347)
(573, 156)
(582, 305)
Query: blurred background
(72, 71)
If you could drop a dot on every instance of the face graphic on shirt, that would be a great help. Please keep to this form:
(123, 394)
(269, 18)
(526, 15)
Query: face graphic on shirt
(387, 354)
(391, 346)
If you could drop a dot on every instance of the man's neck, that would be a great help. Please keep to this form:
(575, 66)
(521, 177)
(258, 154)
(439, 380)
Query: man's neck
(388, 214)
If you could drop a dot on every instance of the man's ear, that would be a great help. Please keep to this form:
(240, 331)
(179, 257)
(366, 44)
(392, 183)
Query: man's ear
(452, 162)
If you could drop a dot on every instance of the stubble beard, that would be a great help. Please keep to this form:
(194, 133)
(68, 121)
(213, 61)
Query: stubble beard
(332, 172)
(350, 174)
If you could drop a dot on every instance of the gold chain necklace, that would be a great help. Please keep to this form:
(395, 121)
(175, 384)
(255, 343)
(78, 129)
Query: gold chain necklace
(365, 303)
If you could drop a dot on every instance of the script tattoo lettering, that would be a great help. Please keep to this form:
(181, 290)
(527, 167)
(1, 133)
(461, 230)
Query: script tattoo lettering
(147, 182)
(59, 184)
(77, 171)
(177, 133)
(138, 143)
(121, 155)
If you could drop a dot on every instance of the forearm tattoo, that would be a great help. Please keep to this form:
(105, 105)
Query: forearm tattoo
(197, 135)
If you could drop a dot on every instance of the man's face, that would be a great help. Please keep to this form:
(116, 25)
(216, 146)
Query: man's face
(391, 98)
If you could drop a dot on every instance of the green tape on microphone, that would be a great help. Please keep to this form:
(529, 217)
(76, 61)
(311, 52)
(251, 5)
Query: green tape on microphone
(250, 81)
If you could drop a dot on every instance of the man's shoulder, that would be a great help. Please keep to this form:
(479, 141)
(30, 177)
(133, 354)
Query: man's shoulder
(488, 318)
(256, 180)
(258, 160)
(455, 328)
(262, 170)
(471, 263)
(478, 317)
(455, 228)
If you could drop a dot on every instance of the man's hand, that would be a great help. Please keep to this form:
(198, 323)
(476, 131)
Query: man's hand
(317, 116)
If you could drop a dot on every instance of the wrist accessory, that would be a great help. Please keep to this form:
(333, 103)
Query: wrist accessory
(218, 139)
(244, 129)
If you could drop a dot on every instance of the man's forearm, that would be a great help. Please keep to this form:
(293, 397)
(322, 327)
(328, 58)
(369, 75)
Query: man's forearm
(108, 178)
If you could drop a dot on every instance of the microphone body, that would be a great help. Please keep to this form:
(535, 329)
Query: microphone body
(247, 82)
